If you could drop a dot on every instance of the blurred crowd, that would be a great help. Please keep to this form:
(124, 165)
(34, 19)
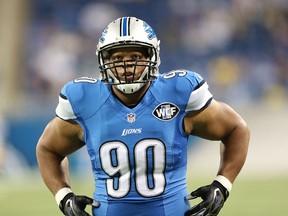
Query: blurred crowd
(239, 46)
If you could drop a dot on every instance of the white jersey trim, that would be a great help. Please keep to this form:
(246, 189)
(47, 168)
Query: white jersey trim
(64, 109)
(199, 98)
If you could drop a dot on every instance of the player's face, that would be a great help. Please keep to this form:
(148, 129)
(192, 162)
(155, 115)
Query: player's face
(128, 63)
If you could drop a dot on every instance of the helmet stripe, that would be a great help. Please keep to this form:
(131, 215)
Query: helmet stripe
(125, 23)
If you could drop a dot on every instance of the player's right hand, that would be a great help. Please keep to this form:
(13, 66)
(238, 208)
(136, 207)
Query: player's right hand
(73, 205)
(213, 195)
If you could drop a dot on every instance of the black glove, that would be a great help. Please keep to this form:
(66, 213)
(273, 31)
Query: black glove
(72, 205)
(213, 196)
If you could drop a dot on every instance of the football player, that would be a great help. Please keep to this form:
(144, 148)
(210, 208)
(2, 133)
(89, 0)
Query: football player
(135, 124)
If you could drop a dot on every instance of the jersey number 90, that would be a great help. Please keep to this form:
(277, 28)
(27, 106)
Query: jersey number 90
(115, 162)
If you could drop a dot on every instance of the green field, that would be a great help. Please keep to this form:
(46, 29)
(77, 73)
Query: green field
(250, 197)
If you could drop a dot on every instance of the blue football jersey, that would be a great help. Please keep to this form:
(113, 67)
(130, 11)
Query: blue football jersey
(138, 154)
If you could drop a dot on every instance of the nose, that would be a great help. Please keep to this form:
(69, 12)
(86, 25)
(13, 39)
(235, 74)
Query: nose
(128, 63)
(126, 58)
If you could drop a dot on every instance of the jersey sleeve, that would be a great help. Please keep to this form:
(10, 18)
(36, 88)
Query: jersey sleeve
(200, 96)
(64, 109)
(81, 98)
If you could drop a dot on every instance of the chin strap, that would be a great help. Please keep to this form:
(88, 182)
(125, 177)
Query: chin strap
(130, 88)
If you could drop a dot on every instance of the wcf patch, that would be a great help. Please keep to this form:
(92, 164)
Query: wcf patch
(166, 111)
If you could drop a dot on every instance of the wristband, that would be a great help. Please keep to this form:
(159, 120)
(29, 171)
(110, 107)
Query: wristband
(225, 182)
(61, 194)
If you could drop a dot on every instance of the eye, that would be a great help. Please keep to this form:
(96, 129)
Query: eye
(117, 58)
(137, 56)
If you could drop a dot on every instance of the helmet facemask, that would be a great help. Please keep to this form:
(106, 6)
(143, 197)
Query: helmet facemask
(123, 74)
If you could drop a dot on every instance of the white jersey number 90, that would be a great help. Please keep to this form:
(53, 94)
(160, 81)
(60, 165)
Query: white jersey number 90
(120, 169)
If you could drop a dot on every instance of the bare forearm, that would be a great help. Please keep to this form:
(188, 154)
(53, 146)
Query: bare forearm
(234, 151)
(54, 169)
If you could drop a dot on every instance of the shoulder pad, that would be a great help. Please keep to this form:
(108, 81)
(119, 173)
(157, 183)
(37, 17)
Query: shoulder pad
(189, 86)
(81, 98)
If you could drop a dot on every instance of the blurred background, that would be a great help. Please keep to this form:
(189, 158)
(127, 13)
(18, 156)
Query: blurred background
(239, 46)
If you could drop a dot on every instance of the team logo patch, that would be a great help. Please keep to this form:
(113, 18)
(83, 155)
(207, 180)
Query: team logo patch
(166, 111)
(131, 117)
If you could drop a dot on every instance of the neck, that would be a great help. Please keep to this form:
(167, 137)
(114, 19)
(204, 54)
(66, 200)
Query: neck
(131, 100)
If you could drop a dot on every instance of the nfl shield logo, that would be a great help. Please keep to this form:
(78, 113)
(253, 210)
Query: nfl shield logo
(131, 117)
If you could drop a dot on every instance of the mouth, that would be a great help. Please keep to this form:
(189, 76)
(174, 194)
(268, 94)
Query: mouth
(129, 77)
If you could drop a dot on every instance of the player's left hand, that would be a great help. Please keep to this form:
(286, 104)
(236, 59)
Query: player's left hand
(213, 196)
